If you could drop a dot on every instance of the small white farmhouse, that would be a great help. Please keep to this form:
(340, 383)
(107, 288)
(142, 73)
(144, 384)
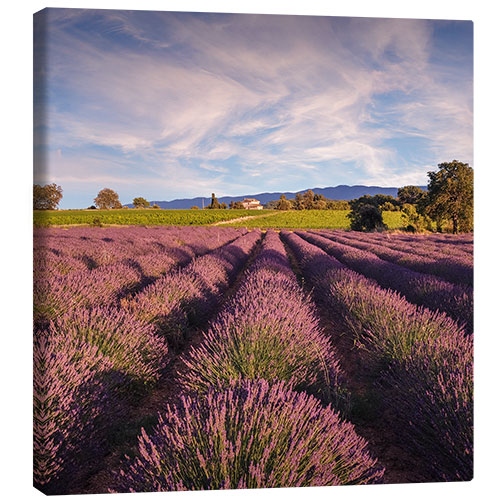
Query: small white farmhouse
(252, 204)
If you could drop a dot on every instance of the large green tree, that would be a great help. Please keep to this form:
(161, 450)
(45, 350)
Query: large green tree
(106, 199)
(450, 195)
(46, 197)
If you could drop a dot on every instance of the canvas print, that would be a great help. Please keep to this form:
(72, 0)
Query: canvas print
(253, 251)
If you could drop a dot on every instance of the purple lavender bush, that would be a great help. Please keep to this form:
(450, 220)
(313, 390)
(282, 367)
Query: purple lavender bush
(101, 287)
(422, 289)
(430, 400)
(382, 322)
(422, 363)
(269, 330)
(186, 296)
(74, 401)
(251, 435)
(452, 268)
(132, 346)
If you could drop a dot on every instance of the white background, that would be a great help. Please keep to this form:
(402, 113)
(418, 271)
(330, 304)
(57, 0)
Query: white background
(16, 235)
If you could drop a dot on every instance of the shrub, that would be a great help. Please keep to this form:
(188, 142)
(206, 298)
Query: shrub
(366, 217)
(97, 222)
(269, 330)
(252, 435)
(385, 324)
(415, 222)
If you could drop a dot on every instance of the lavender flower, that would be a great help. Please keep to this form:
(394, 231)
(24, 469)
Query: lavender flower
(251, 435)
(422, 289)
(268, 330)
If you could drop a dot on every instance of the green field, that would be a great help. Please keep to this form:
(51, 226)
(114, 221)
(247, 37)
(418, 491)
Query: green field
(312, 219)
(148, 217)
(308, 219)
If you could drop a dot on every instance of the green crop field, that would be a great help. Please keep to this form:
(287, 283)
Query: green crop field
(307, 219)
(148, 217)
(312, 219)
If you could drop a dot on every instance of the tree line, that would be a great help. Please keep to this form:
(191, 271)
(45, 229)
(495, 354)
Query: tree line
(447, 205)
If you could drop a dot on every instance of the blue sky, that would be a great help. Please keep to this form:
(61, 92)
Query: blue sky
(173, 105)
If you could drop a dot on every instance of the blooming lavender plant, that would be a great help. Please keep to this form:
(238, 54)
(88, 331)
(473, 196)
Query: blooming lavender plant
(132, 346)
(418, 244)
(269, 330)
(187, 295)
(452, 268)
(423, 362)
(251, 435)
(430, 395)
(104, 286)
(74, 389)
(422, 289)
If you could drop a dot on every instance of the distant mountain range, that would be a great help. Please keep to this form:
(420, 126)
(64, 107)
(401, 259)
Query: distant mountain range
(332, 193)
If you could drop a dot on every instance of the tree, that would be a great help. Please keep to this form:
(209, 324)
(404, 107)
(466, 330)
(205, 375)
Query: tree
(106, 199)
(366, 199)
(271, 205)
(46, 197)
(410, 194)
(214, 203)
(298, 203)
(309, 200)
(237, 205)
(337, 205)
(387, 206)
(365, 215)
(415, 222)
(140, 202)
(380, 199)
(223, 205)
(450, 195)
(283, 203)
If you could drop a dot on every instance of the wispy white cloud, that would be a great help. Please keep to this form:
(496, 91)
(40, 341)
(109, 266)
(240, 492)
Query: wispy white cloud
(240, 102)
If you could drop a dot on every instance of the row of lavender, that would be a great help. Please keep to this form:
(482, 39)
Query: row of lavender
(93, 357)
(70, 272)
(63, 252)
(420, 361)
(453, 267)
(255, 410)
(430, 291)
(419, 244)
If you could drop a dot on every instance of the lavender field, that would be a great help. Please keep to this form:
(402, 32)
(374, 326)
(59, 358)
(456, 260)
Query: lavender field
(190, 358)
